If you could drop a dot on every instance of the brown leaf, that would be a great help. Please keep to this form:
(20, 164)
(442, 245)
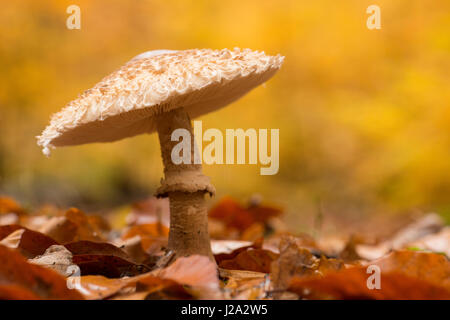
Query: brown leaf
(431, 267)
(241, 284)
(157, 288)
(107, 265)
(150, 211)
(57, 258)
(152, 235)
(438, 242)
(75, 225)
(404, 275)
(95, 248)
(228, 246)
(349, 253)
(426, 226)
(194, 271)
(145, 286)
(100, 287)
(352, 284)
(236, 216)
(8, 205)
(43, 282)
(230, 254)
(16, 292)
(133, 247)
(29, 243)
(258, 260)
(297, 260)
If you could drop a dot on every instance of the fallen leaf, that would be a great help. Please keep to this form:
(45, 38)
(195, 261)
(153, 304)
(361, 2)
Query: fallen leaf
(42, 282)
(150, 211)
(427, 225)
(352, 284)
(296, 260)
(29, 243)
(16, 292)
(75, 225)
(242, 284)
(12, 241)
(156, 288)
(152, 235)
(234, 215)
(107, 265)
(99, 287)
(438, 242)
(349, 253)
(431, 267)
(195, 271)
(228, 246)
(404, 275)
(8, 205)
(133, 247)
(95, 248)
(9, 218)
(258, 260)
(57, 258)
(228, 255)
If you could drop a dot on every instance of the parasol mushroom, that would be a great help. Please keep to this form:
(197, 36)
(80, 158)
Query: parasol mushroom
(161, 91)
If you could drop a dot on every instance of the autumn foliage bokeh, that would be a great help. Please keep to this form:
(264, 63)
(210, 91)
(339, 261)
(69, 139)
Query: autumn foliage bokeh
(363, 115)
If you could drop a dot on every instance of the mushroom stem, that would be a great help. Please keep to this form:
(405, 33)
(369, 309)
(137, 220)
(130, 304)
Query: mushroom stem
(185, 185)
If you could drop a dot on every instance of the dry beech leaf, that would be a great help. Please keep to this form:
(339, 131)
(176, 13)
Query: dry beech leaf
(297, 260)
(75, 225)
(8, 205)
(252, 258)
(100, 287)
(154, 230)
(425, 226)
(431, 267)
(150, 211)
(107, 265)
(164, 289)
(153, 235)
(16, 292)
(404, 275)
(242, 284)
(30, 243)
(145, 286)
(141, 295)
(195, 271)
(9, 218)
(133, 248)
(349, 253)
(254, 232)
(42, 282)
(234, 215)
(352, 284)
(438, 242)
(228, 255)
(12, 241)
(96, 248)
(57, 258)
(228, 246)
(258, 260)
(187, 277)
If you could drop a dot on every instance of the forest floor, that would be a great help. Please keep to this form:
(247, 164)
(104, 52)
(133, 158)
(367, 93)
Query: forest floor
(50, 253)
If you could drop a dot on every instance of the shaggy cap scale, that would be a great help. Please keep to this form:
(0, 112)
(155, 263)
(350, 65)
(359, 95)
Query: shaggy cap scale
(125, 103)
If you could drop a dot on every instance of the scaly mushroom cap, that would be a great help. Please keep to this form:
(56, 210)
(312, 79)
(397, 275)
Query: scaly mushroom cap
(125, 103)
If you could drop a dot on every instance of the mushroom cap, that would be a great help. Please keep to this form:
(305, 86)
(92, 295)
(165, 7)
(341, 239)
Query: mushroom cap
(126, 102)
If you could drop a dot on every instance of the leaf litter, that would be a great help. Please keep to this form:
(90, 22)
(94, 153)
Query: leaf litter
(255, 257)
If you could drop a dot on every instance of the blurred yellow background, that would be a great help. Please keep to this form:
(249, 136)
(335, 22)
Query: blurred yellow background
(364, 115)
